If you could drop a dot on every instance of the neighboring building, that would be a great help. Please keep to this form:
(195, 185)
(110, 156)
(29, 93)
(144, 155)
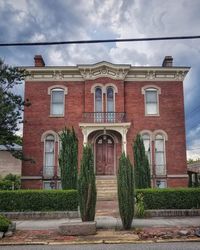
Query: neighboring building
(107, 104)
(8, 163)
(194, 173)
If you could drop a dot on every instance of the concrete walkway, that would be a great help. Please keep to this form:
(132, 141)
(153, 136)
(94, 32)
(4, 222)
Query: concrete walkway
(109, 222)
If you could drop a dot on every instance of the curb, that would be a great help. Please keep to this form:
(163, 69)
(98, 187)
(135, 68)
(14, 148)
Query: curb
(98, 242)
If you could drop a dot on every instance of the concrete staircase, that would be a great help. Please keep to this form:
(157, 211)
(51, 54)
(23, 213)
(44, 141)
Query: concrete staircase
(107, 203)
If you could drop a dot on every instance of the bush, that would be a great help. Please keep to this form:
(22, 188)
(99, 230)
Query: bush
(5, 185)
(171, 198)
(38, 200)
(4, 223)
(125, 185)
(10, 182)
(87, 186)
(139, 207)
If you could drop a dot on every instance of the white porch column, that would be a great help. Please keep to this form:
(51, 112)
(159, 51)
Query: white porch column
(85, 136)
(124, 140)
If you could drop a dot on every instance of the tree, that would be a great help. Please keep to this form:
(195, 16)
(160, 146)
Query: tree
(68, 159)
(125, 184)
(141, 164)
(87, 185)
(11, 106)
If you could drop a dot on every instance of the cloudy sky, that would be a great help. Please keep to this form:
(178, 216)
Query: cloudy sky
(50, 20)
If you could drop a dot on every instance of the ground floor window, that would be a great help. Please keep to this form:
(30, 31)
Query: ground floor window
(161, 184)
(51, 184)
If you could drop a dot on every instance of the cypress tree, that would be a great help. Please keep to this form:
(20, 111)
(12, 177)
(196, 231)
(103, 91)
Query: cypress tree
(141, 164)
(125, 184)
(68, 159)
(87, 185)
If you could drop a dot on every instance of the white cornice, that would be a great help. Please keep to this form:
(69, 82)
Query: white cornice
(104, 69)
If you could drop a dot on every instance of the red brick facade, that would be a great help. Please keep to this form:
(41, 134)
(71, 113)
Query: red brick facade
(129, 82)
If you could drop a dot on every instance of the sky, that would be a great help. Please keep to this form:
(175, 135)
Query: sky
(62, 20)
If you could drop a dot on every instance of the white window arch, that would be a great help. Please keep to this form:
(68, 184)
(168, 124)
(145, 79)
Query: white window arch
(57, 106)
(151, 99)
(160, 154)
(49, 155)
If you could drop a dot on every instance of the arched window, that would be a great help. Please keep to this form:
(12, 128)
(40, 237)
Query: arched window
(98, 99)
(160, 155)
(98, 104)
(110, 100)
(147, 146)
(110, 105)
(57, 102)
(49, 155)
(151, 101)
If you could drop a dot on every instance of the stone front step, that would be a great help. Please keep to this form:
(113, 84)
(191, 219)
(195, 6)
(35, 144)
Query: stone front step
(107, 208)
(106, 188)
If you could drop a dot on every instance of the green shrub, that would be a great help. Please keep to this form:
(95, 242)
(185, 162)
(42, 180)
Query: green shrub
(38, 200)
(15, 179)
(68, 159)
(87, 186)
(171, 198)
(5, 185)
(4, 223)
(139, 207)
(125, 184)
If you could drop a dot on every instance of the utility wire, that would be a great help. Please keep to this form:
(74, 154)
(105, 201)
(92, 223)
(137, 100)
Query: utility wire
(99, 41)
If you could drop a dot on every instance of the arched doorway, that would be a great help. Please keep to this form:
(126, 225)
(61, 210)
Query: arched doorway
(105, 155)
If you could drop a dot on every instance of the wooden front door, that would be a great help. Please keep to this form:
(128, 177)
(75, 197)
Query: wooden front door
(105, 155)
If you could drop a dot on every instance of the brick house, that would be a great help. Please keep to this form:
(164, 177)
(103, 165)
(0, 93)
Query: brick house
(107, 104)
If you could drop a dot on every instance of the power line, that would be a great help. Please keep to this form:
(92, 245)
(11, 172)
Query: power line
(100, 41)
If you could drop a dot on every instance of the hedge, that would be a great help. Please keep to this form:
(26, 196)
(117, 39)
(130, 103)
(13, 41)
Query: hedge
(168, 198)
(38, 200)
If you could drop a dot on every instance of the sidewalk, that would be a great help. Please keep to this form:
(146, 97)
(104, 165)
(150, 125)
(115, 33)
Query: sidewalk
(109, 222)
(109, 230)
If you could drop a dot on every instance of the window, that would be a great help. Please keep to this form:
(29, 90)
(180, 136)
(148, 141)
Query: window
(161, 183)
(49, 155)
(160, 154)
(57, 102)
(110, 104)
(98, 104)
(151, 101)
(147, 146)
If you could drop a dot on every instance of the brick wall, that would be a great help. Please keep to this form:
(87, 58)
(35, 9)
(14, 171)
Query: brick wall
(129, 99)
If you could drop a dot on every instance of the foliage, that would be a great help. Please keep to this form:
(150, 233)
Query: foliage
(11, 106)
(38, 200)
(4, 223)
(125, 184)
(87, 185)
(139, 209)
(68, 159)
(171, 198)
(193, 161)
(10, 182)
(141, 164)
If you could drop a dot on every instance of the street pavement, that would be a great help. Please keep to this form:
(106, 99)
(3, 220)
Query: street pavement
(109, 222)
(146, 246)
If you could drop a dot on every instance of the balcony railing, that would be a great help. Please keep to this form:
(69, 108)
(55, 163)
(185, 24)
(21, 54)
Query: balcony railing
(104, 117)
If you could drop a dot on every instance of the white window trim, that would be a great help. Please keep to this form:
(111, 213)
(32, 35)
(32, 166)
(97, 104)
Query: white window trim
(44, 155)
(65, 91)
(165, 161)
(102, 104)
(110, 86)
(158, 92)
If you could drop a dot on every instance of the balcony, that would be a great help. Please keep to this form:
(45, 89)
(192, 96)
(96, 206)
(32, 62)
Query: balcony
(104, 117)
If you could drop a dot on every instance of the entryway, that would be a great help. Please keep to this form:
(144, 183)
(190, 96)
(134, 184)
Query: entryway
(105, 159)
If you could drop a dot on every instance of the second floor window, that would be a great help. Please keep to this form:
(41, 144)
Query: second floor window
(151, 101)
(57, 102)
